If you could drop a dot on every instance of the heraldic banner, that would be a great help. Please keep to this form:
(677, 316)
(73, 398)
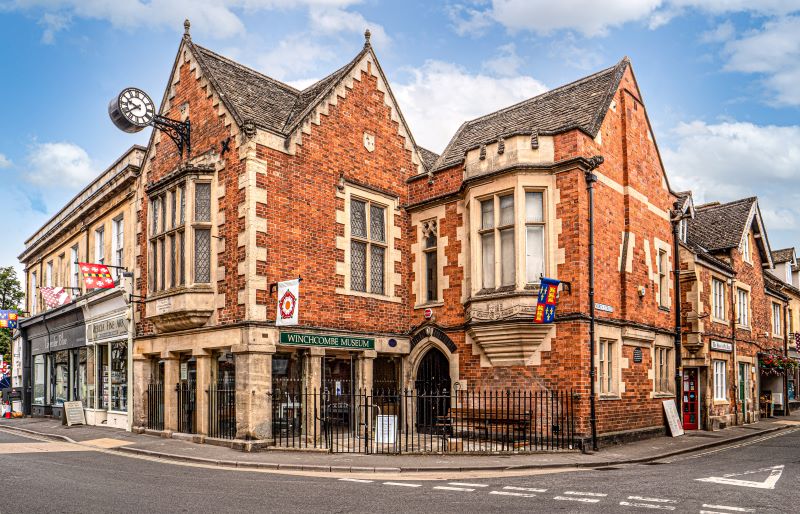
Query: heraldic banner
(547, 301)
(96, 276)
(288, 303)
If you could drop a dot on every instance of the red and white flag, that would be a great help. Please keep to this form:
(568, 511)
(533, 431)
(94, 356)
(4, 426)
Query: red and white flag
(96, 276)
(55, 297)
(288, 303)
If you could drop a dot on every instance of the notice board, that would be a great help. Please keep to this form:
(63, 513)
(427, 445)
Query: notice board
(73, 411)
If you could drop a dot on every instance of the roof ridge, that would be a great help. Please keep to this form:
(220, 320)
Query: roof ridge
(548, 92)
(246, 68)
(717, 205)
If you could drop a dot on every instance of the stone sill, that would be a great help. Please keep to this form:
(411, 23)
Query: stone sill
(429, 305)
(609, 397)
(721, 321)
(663, 395)
(381, 297)
(746, 328)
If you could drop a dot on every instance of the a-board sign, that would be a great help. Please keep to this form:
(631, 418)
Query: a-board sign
(673, 420)
(385, 429)
(16, 406)
(74, 413)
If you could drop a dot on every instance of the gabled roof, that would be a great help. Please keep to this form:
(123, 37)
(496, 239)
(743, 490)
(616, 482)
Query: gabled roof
(784, 255)
(578, 105)
(428, 157)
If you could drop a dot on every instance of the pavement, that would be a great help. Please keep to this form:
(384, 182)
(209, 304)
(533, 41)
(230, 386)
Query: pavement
(116, 440)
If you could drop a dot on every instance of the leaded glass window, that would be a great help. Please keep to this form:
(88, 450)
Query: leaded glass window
(368, 247)
(202, 202)
(202, 255)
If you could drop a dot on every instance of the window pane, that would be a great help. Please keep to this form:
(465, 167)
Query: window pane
(162, 211)
(172, 205)
(119, 376)
(533, 207)
(377, 223)
(202, 255)
(38, 380)
(181, 258)
(358, 266)
(487, 213)
(202, 202)
(430, 241)
(154, 265)
(358, 218)
(507, 210)
(172, 261)
(487, 250)
(161, 265)
(376, 268)
(431, 277)
(534, 253)
(154, 205)
(182, 192)
(507, 268)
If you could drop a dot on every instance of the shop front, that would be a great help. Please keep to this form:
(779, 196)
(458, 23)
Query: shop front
(107, 332)
(55, 344)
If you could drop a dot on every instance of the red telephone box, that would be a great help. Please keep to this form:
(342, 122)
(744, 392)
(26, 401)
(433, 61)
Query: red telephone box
(690, 399)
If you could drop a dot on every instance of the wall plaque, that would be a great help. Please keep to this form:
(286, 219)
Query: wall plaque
(637, 355)
(163, 305)
(721, 346)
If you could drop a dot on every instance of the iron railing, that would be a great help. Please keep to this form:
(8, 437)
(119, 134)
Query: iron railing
(187, 406)
(155, 406)
(222, 410)
(412, 421)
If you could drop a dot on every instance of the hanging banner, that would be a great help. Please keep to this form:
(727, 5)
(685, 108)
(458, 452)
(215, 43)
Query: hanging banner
(547, 301)
(288, 303)
(55, 296)
(8, 319)
(96, 276)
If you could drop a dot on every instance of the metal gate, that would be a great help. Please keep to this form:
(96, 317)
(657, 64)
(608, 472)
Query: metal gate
(187, 406)
(155, 406)
(222, 410)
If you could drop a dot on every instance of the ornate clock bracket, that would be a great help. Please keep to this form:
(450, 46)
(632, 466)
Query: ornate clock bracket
(179, 131)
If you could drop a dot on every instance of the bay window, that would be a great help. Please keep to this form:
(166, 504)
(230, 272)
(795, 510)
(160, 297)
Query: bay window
(534, 236)
(497, 224)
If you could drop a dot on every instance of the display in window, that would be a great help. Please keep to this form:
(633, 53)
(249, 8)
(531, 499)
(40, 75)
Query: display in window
(119, 377)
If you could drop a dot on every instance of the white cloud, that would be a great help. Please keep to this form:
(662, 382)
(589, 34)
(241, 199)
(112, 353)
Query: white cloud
(335, 20)
(440, 96)
(505, 63)
(53, 23)
(5, 162)
(731, 160)
(294, 57)
(721, 33)
(59, 165)
(774, 52)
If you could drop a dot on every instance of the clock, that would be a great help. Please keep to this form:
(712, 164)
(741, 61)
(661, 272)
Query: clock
(132, 110)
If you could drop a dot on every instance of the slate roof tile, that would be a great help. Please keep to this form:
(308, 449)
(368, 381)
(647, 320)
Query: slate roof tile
(720, 226)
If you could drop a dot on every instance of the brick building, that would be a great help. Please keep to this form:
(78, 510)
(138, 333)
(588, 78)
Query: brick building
(733, 312)
(787, 274)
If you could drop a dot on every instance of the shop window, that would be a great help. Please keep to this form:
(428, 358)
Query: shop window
(776, 319)
(91, 378)
(367, 246)
(663, 279)
(534, 236)
(103, 376)
(99, 245)
(606, 367)
(720, 381)
(39, 382)
(119, 377)
(743, 307)
(61, 377)
(663, 370)
(718, 298)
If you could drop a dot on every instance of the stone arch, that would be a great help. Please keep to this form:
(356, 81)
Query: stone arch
(427, 338)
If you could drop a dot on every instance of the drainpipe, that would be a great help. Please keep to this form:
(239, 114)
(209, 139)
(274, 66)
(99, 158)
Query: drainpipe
(676, 287)
(591, 178)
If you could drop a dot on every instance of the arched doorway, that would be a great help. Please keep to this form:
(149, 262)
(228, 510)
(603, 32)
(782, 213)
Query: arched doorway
(432, 384)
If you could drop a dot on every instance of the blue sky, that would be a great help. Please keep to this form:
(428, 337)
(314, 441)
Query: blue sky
(718, 78)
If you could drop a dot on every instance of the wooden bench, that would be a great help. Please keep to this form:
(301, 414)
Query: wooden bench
(498, 421)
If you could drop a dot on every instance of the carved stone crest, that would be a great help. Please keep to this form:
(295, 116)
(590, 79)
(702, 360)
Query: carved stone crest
(369, 141)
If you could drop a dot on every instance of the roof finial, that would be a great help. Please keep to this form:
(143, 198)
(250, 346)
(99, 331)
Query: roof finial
(186, 26)
(367, 35)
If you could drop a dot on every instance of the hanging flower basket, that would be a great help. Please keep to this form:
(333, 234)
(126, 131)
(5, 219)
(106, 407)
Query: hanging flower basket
(776, 364)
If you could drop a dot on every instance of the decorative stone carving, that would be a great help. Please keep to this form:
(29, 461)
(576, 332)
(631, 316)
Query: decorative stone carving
(535, 140)
(497, 311)
(369, 141)
(483, 152)
(501, 146)
(429, 228)
(249, 129)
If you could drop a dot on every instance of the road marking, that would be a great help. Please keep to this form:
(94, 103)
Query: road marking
(359, 480)
(657, 500)
(576, 499)
(509, 493)
(726, 507)
(446, 488)
(464, 484)
(528, 489)
(402, 484)
(579, 493)
(734, 446)
(647, 506)
(40, 447)
(769, 483)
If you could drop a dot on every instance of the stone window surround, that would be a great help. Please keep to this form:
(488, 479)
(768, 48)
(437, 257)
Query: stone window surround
(614, 335)
(715, 400)
(725, 297)
(187, 181)
(519, 183)
(393, 236)
(744, 287)
(773, 333)
(666, 247)
(663, 341)
(746, 248)
(417, 249)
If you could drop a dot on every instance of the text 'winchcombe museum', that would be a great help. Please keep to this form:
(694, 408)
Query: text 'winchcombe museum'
(289, 268)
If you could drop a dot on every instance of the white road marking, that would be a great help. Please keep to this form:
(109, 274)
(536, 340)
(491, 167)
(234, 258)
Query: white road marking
(402, 484)
(445, 488)
(579, 493)
(734, 446)
(727, 507)
(769, 483)
(576, 499)
(647, 506)
(464, 484)
(528, 489)
(509, 493)
(657, 500)
(355, 480)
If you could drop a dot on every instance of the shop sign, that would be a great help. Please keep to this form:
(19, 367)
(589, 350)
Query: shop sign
(69, 338)
(327, 341)
(107, 329)
(721, 346)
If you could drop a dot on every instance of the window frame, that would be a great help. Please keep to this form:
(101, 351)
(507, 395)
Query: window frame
(777, 330)
(48, 274)
(118, 243)
(720, 380)
(99, 245)
(169, 227)
(369, 243)
(742, 314)
(496, 231)
(745, 249)
(34, 293)
(663, 278)
(718, 300)
(431, 274)
(662, 370)
(608, 385)
(75, 278)
(543, 225)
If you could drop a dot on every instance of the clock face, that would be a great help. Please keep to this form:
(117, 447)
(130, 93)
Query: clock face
(136, 106)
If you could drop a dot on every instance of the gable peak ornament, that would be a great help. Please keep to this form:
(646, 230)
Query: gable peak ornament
(369, 141)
